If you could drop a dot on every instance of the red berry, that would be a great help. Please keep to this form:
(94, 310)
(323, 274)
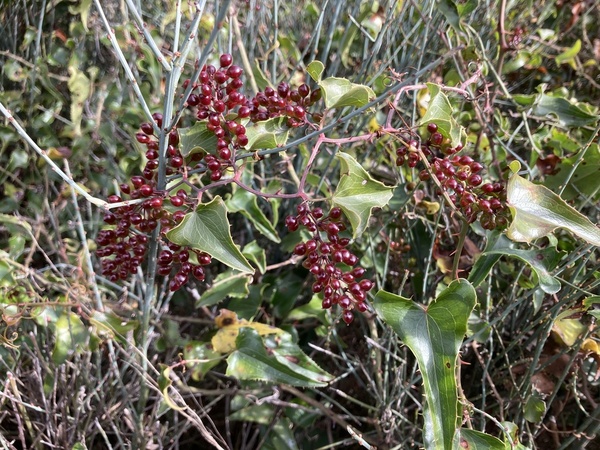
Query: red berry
(225, 60)
(146, 190)
(348, 317)
(234, 71)
(432, 127)
(147, 128)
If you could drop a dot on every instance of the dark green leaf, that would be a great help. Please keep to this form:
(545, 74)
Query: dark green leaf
(567, 113)
(467, 439)
(434, 334)
(357, 193)
(584, 181)
(227, 284)
(251, 362)
(207, 229)
(253, 252)
(200, 358)
(534, 408)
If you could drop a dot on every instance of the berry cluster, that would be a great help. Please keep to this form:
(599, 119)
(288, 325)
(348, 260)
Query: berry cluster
(327, 257)
(284, 102)
(460, 177)
(175, 161)
(220, 103)
(174, 254)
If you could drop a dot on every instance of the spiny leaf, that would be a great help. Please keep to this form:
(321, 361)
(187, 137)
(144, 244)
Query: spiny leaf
(357, 193)
(434, 334)
(207, 229)
(537, 212)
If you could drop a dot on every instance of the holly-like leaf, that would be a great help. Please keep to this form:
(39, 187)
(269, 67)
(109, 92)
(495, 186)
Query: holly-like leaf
(197, 138)
(357, 193)
(285, 363)
(434, 334)
(200, 358)
(537, 212)
(440, 112)
(206, 229)
(227, 284)
(270, 133)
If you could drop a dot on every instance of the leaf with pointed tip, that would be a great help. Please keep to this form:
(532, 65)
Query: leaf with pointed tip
(537, 212)
(197, 138)
(315, 69)
(271, 133)
(285, 363)
(339, 92)
(357, 193)
(467, 439)
(440, 112)
(230, 284)
(207, 229)
(434, 334)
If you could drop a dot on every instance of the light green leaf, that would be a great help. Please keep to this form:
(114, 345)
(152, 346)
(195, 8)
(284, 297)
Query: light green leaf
(339, 92)
(207, 229)
(79, 86)
(285, 363)
(537, 212)
(440, 112)
(568, 56)
(315, 69)
(270, 133)
(246, 203)
(197, 138)
(534, 408)
(476, 440)
(200, 358)
(253, 252)
(71, 336)
(568, 114)
(226, 284)
(357, 193)
(541, 261)
(109, 324)
(434, 334)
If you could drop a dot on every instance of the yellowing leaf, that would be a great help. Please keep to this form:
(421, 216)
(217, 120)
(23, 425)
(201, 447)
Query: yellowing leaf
(229, 328)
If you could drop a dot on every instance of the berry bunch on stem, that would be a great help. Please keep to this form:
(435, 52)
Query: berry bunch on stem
(459, 176)
(326, 255)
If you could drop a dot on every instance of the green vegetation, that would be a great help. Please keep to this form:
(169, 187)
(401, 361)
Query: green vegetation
(299, 225)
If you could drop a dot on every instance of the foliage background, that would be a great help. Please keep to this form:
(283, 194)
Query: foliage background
(66, 384)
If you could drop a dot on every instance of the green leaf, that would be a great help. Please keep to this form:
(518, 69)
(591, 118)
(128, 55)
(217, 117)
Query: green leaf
(109, 324)
(339, 92)
(71, 336)
(534, 408)
(541, 261)
(200, 358)
(568, 56)
(537, 212)
(246, 203)
(467, 439)
(315, 69)
(207, 229)
(434, 334)
(568, 114)
(440, 112)
(226, 284)
(285, 363)
(253, 252)
(357, 193)
(197, 138)
(270, 133)
(584, 181)
(80, 88)
(450, 11)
